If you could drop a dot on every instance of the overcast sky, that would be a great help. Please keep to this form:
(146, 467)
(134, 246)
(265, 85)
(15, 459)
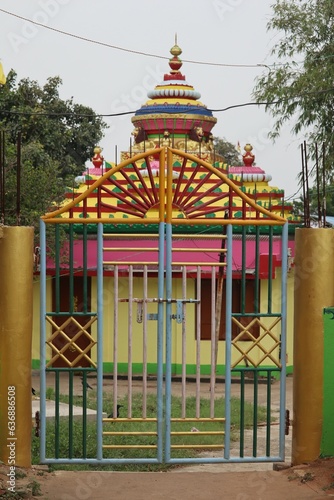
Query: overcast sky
(110, 80)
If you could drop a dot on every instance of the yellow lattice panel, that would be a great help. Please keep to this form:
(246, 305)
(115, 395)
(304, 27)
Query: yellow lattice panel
(70, 342)
(266, 343)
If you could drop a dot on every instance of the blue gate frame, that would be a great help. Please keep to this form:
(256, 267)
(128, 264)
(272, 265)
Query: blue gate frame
(165, 301)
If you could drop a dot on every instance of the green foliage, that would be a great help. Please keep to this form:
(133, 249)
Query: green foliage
(40, 187)
(227, 150)
(19, 474)
(54, 147)
(35, 488)
(41, 190)
(298, 205)
(66, 131)
(300, 86)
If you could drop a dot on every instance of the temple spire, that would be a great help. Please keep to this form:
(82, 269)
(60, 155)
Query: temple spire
(173, 115)
(175, 62)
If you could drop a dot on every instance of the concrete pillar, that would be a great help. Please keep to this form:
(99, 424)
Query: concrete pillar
(314, 290)
(16, 281)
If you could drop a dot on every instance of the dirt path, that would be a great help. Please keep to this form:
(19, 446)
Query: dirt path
(204, 481)
(97, 485)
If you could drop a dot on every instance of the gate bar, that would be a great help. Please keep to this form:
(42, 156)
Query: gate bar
(198, 342)
(213, 371)
(283, 339)
(130, 310)
(145, 339)
(160, 334)
(99, 405)
(168, 339)
(115, 340)
(178, 236)
(168, 267)
(154, 249)
(184, 341)
(228, 342)
(42, 230)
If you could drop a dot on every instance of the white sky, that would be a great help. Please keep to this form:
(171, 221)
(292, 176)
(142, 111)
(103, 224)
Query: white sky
(110, 81)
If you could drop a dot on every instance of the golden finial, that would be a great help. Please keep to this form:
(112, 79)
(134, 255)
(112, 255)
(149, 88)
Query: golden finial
(175, 62)
(175, 51)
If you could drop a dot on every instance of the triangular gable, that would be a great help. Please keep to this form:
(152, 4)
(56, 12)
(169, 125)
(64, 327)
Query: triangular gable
(169, 185)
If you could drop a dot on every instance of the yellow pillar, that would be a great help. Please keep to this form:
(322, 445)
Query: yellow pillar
(314, 290)
(16, 278)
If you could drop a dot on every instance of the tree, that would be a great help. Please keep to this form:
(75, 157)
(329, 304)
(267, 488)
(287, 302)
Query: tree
(227, 150)
(301, 85)
(66, 131)
(298, 205)
(57, 138)
(40, 188)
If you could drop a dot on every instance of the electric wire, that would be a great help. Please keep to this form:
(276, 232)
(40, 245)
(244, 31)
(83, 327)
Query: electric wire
(147, 54)
(157, 56)
(132, 51)
(110, 115)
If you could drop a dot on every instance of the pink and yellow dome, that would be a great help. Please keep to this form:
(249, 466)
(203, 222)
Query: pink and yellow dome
(173, 110)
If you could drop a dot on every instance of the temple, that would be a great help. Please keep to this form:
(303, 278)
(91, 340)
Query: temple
(171, 172)
(174, 117)
(170, 265)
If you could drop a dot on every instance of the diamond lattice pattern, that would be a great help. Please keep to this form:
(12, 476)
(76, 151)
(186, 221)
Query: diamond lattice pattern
(70, 343)
(256, 350)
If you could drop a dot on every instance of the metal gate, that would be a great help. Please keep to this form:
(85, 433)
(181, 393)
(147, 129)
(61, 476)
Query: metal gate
(176, 351)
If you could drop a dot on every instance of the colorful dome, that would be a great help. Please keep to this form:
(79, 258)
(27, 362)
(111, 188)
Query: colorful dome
(174, 111)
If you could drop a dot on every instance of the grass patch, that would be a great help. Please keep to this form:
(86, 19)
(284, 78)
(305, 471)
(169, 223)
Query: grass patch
(329, 487)
(35, 488)
(73, 443)
(19, 474)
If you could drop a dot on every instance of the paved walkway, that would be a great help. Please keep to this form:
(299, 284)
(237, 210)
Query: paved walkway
(266, 485)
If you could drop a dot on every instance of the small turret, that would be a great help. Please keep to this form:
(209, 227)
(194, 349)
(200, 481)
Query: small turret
(98, 159)
(248, 157)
